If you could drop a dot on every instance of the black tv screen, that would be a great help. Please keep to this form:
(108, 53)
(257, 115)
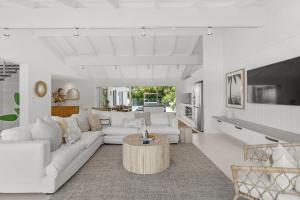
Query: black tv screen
(277, 83)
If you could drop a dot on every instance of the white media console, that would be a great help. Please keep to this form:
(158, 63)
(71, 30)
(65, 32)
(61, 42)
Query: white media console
(252, 133)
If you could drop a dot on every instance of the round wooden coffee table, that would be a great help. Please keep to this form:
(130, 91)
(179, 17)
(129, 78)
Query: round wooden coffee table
(142, 158)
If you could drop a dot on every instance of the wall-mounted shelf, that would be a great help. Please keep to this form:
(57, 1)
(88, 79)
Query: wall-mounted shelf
(269, 133)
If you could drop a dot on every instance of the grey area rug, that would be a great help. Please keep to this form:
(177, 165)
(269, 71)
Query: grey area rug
(191, 175)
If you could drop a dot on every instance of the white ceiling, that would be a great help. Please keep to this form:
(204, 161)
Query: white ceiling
(135, 47)
(129, 3)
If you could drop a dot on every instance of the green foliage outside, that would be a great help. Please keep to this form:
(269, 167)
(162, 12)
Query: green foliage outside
(166, 94)
(13, 117)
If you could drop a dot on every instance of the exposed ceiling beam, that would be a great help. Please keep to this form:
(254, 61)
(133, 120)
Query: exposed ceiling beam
(133, 44)
(191, 51)
(52, 47)
(112, 45)
(114, 3)
(130, 17)
(71, 45)
(120, 32)
(174, 46)
(27, 3)
(72, 3)
(131, 60)
(154, 46)
(92, 45)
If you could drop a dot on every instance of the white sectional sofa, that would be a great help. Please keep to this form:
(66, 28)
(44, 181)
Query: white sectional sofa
(160, 123)
(28, 166)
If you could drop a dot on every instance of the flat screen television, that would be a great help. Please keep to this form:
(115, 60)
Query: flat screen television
(277, 83)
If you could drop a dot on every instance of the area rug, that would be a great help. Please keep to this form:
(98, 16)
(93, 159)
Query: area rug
(191, 176)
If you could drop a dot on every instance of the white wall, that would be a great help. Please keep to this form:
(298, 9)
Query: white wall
(37, 62)
(278, 40)
(85, 88)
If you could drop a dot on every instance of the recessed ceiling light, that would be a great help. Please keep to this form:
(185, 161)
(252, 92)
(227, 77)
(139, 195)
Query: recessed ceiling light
(76, 34)
(209, 30)
(6, 32)
(143, 32)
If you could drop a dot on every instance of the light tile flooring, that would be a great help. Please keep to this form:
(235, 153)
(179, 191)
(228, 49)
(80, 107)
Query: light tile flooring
(220, 148)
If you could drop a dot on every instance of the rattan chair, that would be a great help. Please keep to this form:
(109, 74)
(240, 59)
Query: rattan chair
(258, 180)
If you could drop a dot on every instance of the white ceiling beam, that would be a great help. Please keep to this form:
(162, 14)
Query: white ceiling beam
(112, 45)
(121, 32)
(114, 3)
(72, 3)
(92, 45)
(52, 48)
(130, 17)
(132, 60)
(27, 3)
(133, 45)
(174, 46)
(193, 47)
(71, 45)
(154, 46)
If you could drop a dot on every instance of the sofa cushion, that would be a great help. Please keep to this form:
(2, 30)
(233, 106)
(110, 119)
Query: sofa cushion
(117, 118)
(94, 122)
(101, 114)
(88, 138)
(22, 133)
(82, 121)
(143, 115)
(63, 156)
(47, 130)
(120, 130)
(133, 123)
(62, 123)
(161, 129)
(159, 119)
(73, 131)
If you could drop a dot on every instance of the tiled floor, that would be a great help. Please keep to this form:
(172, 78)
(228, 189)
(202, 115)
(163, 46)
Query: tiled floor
(221, 149)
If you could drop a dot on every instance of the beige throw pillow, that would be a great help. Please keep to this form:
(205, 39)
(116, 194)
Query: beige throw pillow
(94, 122)
(62, 123)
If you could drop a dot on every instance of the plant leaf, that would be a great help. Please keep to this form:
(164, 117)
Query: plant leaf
(17, 98)
(17, 110)
(10, 117)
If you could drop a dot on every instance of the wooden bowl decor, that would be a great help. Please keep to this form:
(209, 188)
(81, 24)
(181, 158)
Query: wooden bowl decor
(40, 88)
(73, 94)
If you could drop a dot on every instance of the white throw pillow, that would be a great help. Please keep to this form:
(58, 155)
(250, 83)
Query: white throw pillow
(133, 123)
(82, 121)
(117, 118)
(22, 133)
(73, 131)
(159, 119)
(47, 130)
(282, 159)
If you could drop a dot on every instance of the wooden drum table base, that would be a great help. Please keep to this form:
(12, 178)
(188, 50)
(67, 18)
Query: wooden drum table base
(142, 158)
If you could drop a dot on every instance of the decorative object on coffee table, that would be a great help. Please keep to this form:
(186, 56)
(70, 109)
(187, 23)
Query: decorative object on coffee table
(235, 86)
(149, 158)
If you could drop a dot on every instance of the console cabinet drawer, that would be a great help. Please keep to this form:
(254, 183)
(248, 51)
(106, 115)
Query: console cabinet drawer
(245, 135)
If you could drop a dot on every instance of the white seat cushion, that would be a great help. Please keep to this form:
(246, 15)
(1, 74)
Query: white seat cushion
(159, 119)
(120, 130)
(63, 156)
(88, 138)
(117, 118)
(161, 129)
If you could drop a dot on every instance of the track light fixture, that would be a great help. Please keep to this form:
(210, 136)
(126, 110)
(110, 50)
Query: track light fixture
(6, 32)
(143, 32)
(76, 34)
(209, 30)
(116, 67)
(177, 67)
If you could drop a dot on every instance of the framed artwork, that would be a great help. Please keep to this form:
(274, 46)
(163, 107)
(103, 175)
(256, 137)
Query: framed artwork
(40, 88)
(235, 89)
